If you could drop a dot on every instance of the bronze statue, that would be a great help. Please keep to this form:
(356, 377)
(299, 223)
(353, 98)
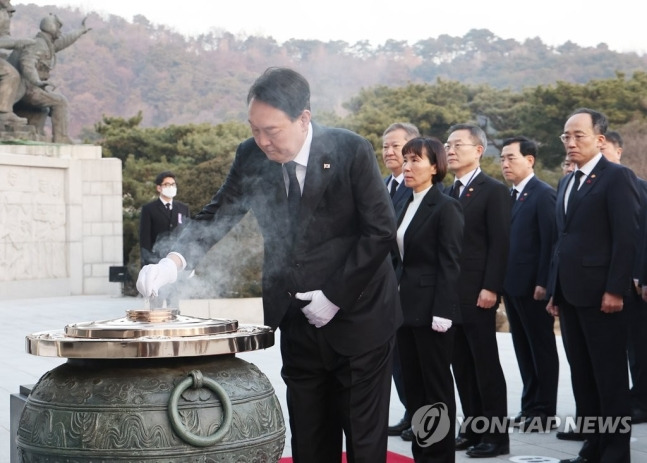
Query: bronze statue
(9, 76)
(36, 97)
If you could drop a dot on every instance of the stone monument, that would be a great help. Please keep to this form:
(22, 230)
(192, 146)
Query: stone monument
(61, 223)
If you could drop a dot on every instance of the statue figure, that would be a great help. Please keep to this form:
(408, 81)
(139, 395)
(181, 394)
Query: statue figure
(9, 76)
(36, 96)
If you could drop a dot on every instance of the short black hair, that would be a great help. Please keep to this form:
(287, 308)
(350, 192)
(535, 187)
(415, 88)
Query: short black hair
(432, 149)
(166, 174)
(614, 137)
(527, 147)
(282, 88)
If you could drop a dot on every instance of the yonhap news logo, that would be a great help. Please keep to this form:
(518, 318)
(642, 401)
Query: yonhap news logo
(430, 424)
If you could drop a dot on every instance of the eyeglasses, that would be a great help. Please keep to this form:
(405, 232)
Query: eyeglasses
(457, 146)
(169, 184)
(576, 138)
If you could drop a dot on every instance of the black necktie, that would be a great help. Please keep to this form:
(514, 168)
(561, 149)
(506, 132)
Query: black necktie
(576, 184)
(513, 196)
(456, 191)
(394, 186)
(294, 192)
(170, 215)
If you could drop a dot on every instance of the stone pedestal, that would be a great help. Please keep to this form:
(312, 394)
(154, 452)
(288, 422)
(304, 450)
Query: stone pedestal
(16, 405)
(60, 220)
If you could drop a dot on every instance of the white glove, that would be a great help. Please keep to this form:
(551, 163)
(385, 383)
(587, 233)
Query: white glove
(441, 324)
(320, 311)
(153, 276)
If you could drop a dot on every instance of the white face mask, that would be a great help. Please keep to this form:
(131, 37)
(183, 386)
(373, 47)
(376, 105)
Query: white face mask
(169, 191)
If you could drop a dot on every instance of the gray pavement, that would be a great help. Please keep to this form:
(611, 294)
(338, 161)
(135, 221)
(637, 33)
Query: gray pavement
(25, 316)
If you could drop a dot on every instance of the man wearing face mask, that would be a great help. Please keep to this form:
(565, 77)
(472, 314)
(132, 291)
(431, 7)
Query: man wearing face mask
(160, 220)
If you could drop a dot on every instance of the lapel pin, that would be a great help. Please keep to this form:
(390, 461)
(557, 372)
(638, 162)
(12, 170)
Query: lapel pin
(326, 166)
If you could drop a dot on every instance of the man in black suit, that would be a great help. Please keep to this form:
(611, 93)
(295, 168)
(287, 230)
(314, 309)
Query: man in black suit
(591, 273)
(159, 223)
(328, 282)
(394, 138)
(635, 306)
(477, 369)
(532, 234)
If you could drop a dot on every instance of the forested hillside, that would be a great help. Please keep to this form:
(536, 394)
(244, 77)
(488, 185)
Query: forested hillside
(122, 67)
(160, 101)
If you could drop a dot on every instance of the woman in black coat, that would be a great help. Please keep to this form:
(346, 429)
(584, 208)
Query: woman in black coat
(430, 234)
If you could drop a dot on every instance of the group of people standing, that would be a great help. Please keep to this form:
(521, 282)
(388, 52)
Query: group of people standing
(451, 267)
(581, 262)
(361, 277)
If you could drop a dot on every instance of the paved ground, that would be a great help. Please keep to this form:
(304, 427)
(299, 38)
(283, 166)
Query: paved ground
(25, 316)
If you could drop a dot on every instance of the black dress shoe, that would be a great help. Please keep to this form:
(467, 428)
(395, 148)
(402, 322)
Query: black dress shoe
(397, 429)
(407, 435)
(577, 459)
(520, 418)
(463, 443)
(487, 450)
(570, 435)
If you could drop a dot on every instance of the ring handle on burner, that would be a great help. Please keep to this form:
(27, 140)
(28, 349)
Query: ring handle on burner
(197, 381)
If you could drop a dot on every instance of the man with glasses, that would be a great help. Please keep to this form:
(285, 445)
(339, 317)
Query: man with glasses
(477, 369)
(567, 166)
(158, 224)
(591, 273)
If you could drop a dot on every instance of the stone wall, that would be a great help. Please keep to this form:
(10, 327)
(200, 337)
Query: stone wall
(60, 220)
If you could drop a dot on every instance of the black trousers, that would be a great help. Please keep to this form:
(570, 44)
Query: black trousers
(597, 353)
(637, 350)
(533, 339)
(479, 379)
(329, 394)
(426, 368)
(398, 380)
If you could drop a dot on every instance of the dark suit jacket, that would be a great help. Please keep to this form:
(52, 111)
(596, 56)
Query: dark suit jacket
(429, 274)
(532, 235)
(157, 229)
(346, 230)
(486, 207)
(401, 197)
(640, 266)
(596, 240)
